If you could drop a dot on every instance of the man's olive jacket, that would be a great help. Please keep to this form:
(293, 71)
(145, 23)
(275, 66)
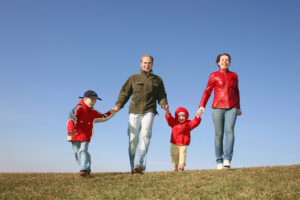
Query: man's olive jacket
(145, 89)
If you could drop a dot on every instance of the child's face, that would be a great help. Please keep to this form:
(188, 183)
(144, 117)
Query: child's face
(89, 102)
(181, 118)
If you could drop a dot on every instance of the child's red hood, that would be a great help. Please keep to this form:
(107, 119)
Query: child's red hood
(181, 109)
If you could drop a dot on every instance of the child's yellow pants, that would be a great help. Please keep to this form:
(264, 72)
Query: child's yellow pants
(178, 153)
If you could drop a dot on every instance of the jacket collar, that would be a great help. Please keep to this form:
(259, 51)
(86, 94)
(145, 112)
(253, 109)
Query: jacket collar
(146, 73)
(81, 102)
(223, 70)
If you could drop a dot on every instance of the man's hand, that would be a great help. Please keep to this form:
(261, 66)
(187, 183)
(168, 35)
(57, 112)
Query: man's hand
(166, 107)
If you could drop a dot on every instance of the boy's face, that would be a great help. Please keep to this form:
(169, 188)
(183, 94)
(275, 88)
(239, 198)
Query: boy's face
(181, 118)
(89, 102)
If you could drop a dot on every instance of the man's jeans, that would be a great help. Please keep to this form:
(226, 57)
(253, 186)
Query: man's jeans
(82, 155)
(224, 119)
(139, 132)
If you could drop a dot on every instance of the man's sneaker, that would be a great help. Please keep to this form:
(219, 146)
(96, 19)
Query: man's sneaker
(138, 169)
(226, 163)
(181, 167)
(220, 166)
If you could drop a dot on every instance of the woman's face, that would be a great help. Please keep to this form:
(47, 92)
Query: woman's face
(224, 62)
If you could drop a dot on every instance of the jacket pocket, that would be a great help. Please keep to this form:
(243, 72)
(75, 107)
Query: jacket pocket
(138, 87)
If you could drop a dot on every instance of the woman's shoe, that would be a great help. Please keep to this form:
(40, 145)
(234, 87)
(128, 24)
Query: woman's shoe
(226, 163)
(220, 166)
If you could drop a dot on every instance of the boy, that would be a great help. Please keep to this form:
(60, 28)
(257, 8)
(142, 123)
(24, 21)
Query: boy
(80, 128)
(180, 138)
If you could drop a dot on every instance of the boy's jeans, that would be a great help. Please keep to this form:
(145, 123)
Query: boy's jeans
(139, 132)
(82, 155)
(224, 119)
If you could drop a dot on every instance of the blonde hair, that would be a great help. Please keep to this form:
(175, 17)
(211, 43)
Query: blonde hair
(147, 55)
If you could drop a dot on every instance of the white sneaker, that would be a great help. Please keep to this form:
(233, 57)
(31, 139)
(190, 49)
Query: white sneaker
(226, 163)
(220, 166)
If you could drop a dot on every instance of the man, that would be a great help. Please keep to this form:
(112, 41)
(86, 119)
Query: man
(145, 88)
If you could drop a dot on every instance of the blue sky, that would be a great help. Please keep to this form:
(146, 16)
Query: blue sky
(51, 52)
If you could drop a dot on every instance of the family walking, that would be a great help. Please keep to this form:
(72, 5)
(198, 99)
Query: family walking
(146, 90)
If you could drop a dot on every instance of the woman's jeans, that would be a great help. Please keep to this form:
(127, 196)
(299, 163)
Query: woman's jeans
(139, 132)
(82, 155)
(224, 121)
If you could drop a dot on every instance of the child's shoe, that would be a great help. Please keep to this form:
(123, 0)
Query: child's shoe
(226, 163)
(175, 168)
(220, 166)
(181, 167)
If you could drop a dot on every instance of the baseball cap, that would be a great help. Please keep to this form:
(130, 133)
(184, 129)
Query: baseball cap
(90, 94)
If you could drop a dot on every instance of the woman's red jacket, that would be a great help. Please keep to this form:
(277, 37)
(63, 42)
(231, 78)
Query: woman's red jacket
(226, 91)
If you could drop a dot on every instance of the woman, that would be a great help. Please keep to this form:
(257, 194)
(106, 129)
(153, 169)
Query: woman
(226, 107)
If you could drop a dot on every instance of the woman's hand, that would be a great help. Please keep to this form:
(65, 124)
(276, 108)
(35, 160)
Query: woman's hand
(239, 112)
(200, 111)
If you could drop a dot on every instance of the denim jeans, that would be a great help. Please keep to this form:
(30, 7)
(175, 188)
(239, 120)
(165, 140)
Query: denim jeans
(224, 121)
(139, 132)
(82, 155)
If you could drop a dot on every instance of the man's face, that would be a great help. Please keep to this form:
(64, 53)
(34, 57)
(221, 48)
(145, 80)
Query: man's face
(146, 64)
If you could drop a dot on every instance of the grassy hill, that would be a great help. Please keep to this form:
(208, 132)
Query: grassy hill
(280, 182)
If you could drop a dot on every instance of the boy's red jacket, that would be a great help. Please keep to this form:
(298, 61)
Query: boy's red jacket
(225, 84)
(181, 132)
(82, 119)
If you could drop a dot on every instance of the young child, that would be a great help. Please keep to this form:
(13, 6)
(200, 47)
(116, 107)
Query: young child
(180, 138)
(80, 128)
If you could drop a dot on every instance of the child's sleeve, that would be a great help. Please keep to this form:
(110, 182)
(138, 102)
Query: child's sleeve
(170, 120)
(196, 121)
(72, 121)
(102, 117)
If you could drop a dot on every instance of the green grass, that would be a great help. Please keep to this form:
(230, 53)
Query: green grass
(280, 182)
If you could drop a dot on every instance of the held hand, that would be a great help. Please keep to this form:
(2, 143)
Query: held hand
(116, 109)
(239, 112)
(166, 107)
(200, 111)
(167, 112)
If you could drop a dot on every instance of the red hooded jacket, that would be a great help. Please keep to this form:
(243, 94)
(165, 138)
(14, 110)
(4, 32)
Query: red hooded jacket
(226, 91)
(181, 132)
(82, 119)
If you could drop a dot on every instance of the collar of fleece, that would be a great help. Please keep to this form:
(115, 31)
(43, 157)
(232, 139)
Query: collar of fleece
(81, 102)
(182, 109)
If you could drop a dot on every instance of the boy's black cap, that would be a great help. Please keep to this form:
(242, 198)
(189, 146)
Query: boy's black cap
(90, 94)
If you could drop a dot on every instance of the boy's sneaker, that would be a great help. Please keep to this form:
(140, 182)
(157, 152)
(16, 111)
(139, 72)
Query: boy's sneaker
(220, 166)
(181, 167)
(138, 169)
(226, 163)
(85, 172)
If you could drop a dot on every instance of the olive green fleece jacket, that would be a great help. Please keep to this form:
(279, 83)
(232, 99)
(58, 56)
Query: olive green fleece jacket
(145, 89)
